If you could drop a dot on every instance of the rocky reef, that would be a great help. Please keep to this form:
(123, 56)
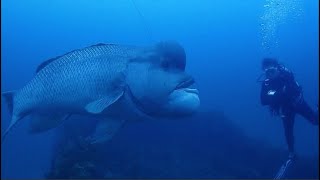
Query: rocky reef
(206, 145)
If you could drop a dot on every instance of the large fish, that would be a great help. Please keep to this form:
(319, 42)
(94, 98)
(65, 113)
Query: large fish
(115, 82)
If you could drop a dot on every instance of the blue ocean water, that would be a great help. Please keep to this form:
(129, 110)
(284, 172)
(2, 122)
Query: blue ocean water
(225, 42)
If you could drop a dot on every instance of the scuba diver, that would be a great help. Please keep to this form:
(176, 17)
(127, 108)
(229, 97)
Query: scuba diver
(281, 92)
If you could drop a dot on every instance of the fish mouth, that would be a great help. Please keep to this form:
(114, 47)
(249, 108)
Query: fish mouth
(187, 86)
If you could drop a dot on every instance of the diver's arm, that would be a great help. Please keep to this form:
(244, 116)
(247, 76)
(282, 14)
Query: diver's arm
(287, 77)
(271, 92)
(263, 95)
(290, 87)
(286, 74)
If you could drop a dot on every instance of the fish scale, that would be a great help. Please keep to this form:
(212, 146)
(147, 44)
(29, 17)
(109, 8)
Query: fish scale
(78, 70)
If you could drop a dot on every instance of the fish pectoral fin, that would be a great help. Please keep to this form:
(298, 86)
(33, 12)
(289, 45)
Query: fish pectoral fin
(105, 130)
(42, 122)
(99, 105)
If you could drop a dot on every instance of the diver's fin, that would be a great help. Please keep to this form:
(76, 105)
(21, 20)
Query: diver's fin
(283, 171)
(99, 105)
(105, 130)
(44, 122)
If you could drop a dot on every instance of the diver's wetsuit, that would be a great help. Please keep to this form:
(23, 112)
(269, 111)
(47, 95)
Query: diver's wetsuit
(284, 96)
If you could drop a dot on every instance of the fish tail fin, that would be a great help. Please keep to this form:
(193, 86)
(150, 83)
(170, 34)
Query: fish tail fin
(8, 96)
(13, 122)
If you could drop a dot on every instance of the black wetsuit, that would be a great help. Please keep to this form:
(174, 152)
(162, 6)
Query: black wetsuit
(284, 97)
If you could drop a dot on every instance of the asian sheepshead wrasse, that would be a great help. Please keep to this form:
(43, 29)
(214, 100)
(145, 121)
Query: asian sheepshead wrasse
(115, 82)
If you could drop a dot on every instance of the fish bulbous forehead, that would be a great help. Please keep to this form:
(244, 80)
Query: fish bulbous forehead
(172, 50)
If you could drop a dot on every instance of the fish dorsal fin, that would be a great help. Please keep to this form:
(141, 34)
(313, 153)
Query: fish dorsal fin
(101, 44)
(45, 63)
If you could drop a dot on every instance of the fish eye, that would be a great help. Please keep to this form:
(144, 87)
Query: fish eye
(171, 65)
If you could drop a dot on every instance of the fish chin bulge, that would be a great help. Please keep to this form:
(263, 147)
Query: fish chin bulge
(184, 101)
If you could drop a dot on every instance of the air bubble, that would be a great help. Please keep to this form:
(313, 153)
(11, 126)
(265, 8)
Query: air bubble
(277, 12)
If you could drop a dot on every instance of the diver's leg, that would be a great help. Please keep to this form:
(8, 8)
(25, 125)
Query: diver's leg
(304, 110)
(288, 122)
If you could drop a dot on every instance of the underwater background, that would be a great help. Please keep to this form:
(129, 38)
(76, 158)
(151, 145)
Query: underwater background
(232, 135)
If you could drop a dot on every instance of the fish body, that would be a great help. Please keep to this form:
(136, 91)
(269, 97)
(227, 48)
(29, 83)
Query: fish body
(109, 80)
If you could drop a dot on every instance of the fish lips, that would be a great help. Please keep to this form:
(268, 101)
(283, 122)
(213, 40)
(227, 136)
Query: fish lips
(188, 86)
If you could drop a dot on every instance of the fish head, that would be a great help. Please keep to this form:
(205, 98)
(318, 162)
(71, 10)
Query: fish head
(159, 84)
